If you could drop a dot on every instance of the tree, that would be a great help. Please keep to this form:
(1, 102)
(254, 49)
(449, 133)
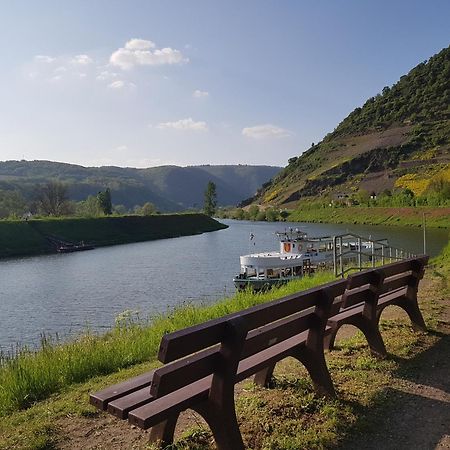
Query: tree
(239, 214)
(89, 207)
(12, 203)
(271, 215)
(363, 197)
(104, 201)
(210, 202)
(53, 199)
(253, 212)
(284, 214)
(148, 209)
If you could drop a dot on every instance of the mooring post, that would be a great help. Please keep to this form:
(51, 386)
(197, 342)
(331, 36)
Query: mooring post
(359, 254)
(424, 224)
(335, 256)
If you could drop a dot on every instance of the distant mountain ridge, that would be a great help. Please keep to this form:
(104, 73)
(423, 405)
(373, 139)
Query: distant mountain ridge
(170, 188)
(399, 138)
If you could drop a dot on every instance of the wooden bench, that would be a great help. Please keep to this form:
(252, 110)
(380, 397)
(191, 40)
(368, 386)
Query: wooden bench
(204, 362)
(369, 292)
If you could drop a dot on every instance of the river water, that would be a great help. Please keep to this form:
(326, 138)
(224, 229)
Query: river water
(64, 294)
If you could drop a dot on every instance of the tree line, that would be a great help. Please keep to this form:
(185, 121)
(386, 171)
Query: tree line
(52, 200)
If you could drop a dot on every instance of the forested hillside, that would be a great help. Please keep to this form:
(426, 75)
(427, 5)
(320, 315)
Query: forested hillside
(169, 188)
(399, 139)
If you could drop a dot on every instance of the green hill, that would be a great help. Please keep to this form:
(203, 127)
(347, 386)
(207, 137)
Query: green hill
(399, 138)
(170, 188)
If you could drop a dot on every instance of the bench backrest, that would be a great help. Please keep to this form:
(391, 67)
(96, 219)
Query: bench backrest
(203, 350)
(368, 285)
(405, 273)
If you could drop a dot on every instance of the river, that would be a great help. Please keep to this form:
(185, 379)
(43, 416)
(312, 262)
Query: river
(64, 294)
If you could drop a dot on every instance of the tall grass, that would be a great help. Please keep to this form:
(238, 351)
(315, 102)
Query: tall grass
(31, 376)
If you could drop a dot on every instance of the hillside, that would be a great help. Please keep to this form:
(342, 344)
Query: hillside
(399, 138)
(170, 188)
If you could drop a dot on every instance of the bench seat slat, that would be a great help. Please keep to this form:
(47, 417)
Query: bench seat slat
(392, 296)
(123, 405)
(158, 410)
(101, 398)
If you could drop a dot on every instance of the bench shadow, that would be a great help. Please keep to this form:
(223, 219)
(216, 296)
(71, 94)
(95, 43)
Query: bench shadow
(415, 415)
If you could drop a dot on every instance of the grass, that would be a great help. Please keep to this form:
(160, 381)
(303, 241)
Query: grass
(27, 238)
(28, 376)
(435, 217)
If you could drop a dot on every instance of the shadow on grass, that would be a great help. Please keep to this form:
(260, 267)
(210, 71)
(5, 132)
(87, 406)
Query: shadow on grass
(414, 415)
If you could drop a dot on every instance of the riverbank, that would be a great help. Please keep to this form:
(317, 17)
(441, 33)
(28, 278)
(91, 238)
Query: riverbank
(435, 217)
(288, 416)
(20, 238)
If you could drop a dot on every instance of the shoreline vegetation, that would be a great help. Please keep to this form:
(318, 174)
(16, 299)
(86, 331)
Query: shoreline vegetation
(40, 390)
(438, 217)
(29, 237)
(30, 376)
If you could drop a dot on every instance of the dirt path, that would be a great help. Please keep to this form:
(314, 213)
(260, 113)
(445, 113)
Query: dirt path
(418, 412)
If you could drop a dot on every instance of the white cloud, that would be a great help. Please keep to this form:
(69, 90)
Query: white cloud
(44, 58)
(265, 131)
(55, 78)
(82, 75)
(105, 75)
(183, 125)
(200, 94)
(120, 84)
(61, 69)
(139, 44)
(139, 52)
(82, 60)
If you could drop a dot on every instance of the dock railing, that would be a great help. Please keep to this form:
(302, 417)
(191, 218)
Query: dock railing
(353, 252)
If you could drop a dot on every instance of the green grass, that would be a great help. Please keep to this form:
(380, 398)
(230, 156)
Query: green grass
(29, 377)
(435, 217)
(28, 238)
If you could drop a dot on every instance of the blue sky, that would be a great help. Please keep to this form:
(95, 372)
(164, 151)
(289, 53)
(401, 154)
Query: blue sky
(147, 83)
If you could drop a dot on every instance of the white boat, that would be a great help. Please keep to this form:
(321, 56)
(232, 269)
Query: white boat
(298, 255)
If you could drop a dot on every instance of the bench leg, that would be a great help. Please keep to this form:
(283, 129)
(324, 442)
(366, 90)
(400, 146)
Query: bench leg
(330, 337)
(372, 335)
(412, 309)
(223, 424)
(318, 371)
(264, 376)
(162, 434)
